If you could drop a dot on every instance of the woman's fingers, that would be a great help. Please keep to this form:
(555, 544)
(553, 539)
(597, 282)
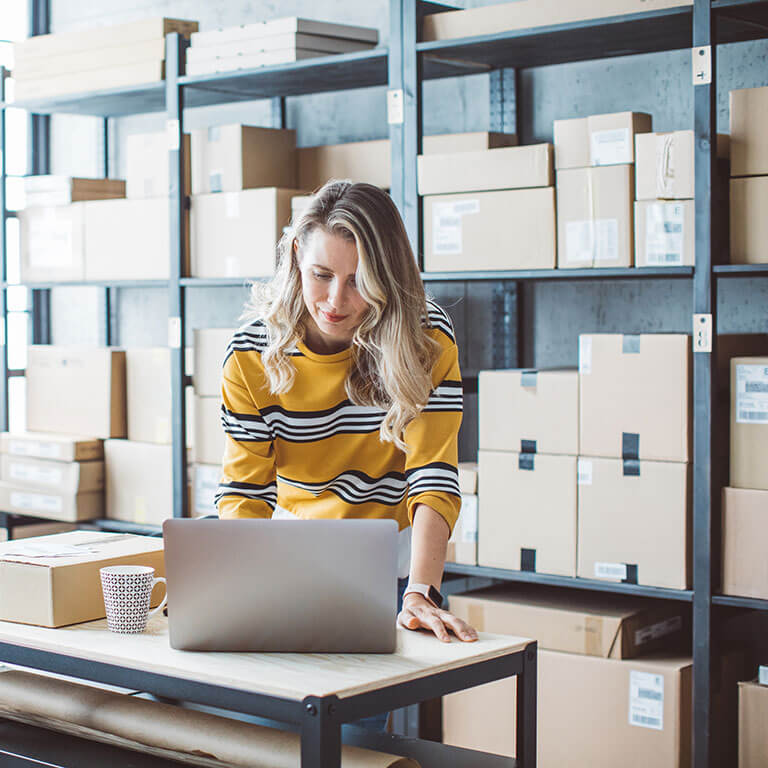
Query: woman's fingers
(460, 628)
(436, 621)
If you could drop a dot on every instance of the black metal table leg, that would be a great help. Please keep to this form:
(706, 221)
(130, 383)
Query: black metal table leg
(320, 733)
(526, 709)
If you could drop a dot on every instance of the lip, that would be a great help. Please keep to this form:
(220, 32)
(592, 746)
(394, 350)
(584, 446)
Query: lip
(332, 318)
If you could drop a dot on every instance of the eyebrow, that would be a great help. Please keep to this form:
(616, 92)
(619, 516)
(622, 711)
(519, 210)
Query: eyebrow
(328, 269)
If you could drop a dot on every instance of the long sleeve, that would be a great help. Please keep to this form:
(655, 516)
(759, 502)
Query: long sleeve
(248, 486)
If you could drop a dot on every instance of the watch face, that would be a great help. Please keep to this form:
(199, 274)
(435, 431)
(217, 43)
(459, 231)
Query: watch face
(435, 596)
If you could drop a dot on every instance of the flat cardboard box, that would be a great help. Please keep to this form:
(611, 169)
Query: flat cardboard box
(487, 169)
(139, 481)
(749, 224)
(522, 14)
(634, 522)
(529, 411)
(322, 44)
(52, 243)
(210, 349)
(205, 483)
(635, 396)
(45, 474)
(129, 240)
(749, 422)
(749, 144)
(60, 590)
(235, 234)
(76, 390)
(31, 530)
(52, 504)
(664, 166)
(230, 158)
(753, 715)
(665, 233)
(508, 229)
(41, 445)
(48, 190)
(745, 525)
(468, 477)
(527, 512)
(589, 623)
(146, 165)
(209, 434)
(595, 217)
(607, 139)
(462, 545)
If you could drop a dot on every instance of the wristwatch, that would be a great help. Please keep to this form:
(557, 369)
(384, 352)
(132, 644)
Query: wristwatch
(425, 590)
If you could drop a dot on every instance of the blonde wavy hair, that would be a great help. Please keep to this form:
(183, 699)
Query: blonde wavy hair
(392, 355)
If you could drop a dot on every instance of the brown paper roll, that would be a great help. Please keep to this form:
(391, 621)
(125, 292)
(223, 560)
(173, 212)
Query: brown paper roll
(160, 729)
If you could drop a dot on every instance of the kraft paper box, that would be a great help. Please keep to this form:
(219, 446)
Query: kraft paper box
(529, 411)
(48, 189)
(210, 349)
(51, 503)
(749, 143)
(230, 158)
(753, 715)
(462, 546)
(31, 530)
(634, 522)
(205, 482)
(489, 169)
(52, 243)
(468, 477)
(598, 139)
(47, 475)
(664, 166)
(527, 512)
(749, 224)
(235, 234)
(210, 437)
(749, 422)
(595, 217)
(592, 624)
(745, 525)
(508, 229)
(76, 390)
(665, 233)
(52, 581)
(635, 396)
(146, 165)
(41, 445)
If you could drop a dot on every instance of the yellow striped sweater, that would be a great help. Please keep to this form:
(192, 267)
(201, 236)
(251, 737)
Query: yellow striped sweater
(312, 453)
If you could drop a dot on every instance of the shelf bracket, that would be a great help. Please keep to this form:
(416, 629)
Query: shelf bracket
(702, 333)
(701, 59)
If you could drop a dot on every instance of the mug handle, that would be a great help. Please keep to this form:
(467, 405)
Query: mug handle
(160, 607)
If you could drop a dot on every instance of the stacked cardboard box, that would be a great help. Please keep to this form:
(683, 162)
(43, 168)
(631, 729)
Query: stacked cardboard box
(635, 449)
(94, 59)
(528, 440)
(279, 41)
(462, 546)
(147, 166)
(594, 158)
(749, 172)
(753, 715)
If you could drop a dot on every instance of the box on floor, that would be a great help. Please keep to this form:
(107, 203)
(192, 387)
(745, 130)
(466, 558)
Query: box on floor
(745, 526)
(749, 422)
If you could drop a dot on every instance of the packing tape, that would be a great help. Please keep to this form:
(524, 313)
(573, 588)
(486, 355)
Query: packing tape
(593, 636)
(665, 170)
(630, 344)
(527, 446)
(631, 573)
(631, 468)
(528, 378)
(528, 560)
(630, 445)
(525, 461)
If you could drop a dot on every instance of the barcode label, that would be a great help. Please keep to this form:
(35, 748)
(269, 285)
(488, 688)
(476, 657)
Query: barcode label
(611, 147)
(664, 234)
(646, 700)
(611, 571)
(447, 230)
(584, 472)
(752, 394)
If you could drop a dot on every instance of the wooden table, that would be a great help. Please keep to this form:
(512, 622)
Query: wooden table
(318, 692)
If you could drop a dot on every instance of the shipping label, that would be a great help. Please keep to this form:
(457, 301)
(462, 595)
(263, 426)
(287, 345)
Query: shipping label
(38, 475)
(447, 236)
(34, 448)
(611, 147)
(37, 501)
(606, 245)
(579, 241)
(584, 472)
(664, 234)
(468, 518)
(585, 354)
(762, 675)
(646, 700)
(611, 571)
(752, 394)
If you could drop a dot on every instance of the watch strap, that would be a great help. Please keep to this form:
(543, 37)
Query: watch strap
(432, 594)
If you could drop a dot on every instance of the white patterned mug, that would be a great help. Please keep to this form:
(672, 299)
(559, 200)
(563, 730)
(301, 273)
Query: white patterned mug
(127, 592)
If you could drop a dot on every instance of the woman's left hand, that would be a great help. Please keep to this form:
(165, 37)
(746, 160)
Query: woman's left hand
(419, 613)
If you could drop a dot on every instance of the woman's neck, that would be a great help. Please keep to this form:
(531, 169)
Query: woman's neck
(321, 344)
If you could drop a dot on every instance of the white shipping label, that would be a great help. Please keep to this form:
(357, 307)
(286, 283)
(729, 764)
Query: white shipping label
(468, 518)
(33, 448)
(664, 234)
(585, 354)
(606, 246)
(38, 501)
(752, 394)
(38, 475)
(646, 700)
(611, 147)
(447, 225)
(585, 472)
(762, 675)
(611, 571)
(579, 241)
(660, 629)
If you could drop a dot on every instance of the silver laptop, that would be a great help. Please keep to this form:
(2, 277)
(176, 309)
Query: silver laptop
(316, 586)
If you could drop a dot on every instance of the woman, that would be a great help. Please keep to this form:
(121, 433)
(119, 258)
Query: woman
(342, 394)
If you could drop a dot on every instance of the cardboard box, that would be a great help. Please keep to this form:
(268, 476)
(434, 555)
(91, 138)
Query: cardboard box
(508, 229)
(210, 349)
(598, 139)
(749, 422)
(52, 243)
(235, 234)
(58, 590)
(209, 434)
(589, 623)
(30, 530)
(664, 166)
(52, 504)
(230, 158)
(522, 14)
(527, 512)
(665, 233)
(745, 525)
(205, 483)
(147, 165)
(149, 397)
(529, 411)
(749, 114)
(635, 396)
(462, 546)
(44, 474)
(634, 522)
(50, 190)
(487, 169)
(749, 224)
(468, 477)
(129, 240)
(40, 445)
(595, 217)
(76, 390)
(753, 715)
(139, 481)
